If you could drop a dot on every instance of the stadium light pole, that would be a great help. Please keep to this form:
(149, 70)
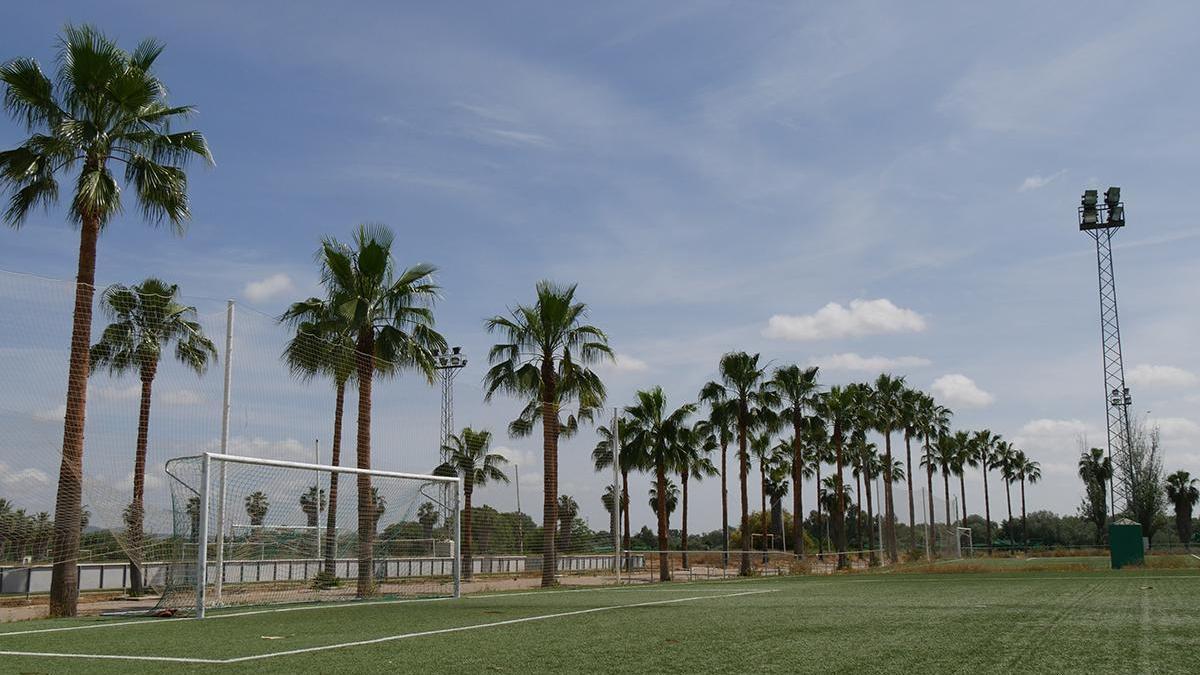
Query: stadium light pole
(1101, 222)
(447, 363)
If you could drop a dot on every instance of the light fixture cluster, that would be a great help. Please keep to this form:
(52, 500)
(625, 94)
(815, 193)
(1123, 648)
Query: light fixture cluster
(449, 358)
(1092, 216)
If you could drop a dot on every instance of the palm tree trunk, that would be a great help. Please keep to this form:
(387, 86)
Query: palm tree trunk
(660, 474)
(743, 470)
(467, 561)
(858, 526)
(549, 474)
(331, 517)
(987, 508)
(1008, 499)
(68, 503)
(889, 526)
(946, 480)
(683, 478)
(871, 557)
(1024, 531)
(820, 534)
(962, 494)
(366, 507)
(136, 507)
(624, 506)
(912, 521)
(840, 520)
(797, 490)
(762, 477)
(724, 505)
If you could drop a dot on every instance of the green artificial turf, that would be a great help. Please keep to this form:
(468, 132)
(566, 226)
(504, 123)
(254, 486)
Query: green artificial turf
(1041, 621)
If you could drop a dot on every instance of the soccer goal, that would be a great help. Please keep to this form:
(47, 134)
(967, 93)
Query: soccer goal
(250, 531)
(954, 543)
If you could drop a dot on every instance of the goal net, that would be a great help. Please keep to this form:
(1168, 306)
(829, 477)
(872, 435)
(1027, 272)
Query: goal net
(270, 532)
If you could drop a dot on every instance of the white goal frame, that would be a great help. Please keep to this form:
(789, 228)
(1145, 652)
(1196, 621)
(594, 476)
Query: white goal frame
(206, 492)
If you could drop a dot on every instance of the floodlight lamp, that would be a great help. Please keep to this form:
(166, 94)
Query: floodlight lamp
(1090, 197)
(456, 350)
(1089, 214)
(1112, 196)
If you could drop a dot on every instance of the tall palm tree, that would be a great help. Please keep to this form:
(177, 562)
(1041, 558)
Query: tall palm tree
(868, 465)
(947, 459)
(672, 497)
(1027, 470)
(1183, 494)
(841, 408)
(602, 458)
(935, 420)
(761, 451)
(885, 406)
(1004, 462)
(468, 456)
(147, 318)
(697, 443)
(654, 435)
(983, 447)
(742, 378)
(1095, 470)
(722, 420)
(312, 502)
(797, 387)
(257, 506)
(543, 359)
(820, 452)
(323, 344)
(568, 508)
(389, 315)
(964, 456)
(105, 106)
(778, 478)
(910, 412)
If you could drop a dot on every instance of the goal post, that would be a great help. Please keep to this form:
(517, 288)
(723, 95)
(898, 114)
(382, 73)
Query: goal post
(284, 503)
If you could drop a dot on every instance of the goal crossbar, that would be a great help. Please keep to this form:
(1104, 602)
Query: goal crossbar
(208, 458)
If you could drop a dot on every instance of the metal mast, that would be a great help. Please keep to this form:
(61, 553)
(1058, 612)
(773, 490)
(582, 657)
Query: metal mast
(447, 363)
(1100, 222)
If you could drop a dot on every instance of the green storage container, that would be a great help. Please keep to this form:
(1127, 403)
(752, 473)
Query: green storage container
(1125, 543)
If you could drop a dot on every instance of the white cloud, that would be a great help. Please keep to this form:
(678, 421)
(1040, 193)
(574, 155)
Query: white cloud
(271, 287)
(257, 446)
(524, 458)
(55, 414)
(852, 361)
(625, 363)
(1146, 375)
(21, 477)
(1037, 181)
(1043, 438)
(181, 397)
(959, 390)
(1176, 428)
(862, 317)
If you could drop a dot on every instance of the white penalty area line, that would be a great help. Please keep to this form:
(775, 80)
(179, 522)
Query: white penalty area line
(389, 638)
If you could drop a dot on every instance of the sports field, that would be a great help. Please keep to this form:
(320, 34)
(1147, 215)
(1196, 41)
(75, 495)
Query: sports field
(1042, 621)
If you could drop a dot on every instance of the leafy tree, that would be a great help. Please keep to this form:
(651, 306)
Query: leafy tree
(544, 360)
(147, 318)
(654, 436)
(1183, 495)
(105, 106)
(468, 457)
(1147, 500)
(1096, 471)
(797, 388)
(388, 314)
(257, 506)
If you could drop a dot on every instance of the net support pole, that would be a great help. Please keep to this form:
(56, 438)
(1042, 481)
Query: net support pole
(317, 486)
(224, 450)
(202, 538)
(616, 493)
(458, 497)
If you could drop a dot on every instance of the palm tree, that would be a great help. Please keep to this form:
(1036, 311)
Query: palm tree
(467, 456)
(910, 412)
(654, 436)
(820, 451)
(778, 477)
(840, 407)
(568, 508)
(1095, 470)
(602, 458)
(722, 420)
(964, 456)
(1027, 470)
(147, 318)
(672, 497)
(947, 458)
(389, 317)
(797, 387)
(427, 516)
(760, 450)
(935, 421)
(544, 360)
(1004, 462)
(323, 344)
(105, 106)
(983, 447)
(886, 410)
(867, 463)
(1183, 493)
(696, 443)
(741, 381)
(312, 502)
(257, 505)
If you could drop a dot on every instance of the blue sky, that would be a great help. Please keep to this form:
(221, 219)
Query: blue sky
(713, 176)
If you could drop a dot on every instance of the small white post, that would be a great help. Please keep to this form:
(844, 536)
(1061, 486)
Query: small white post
(458, 497)
(616, 520)
(320, 501)
(224, 451)
(202, 537)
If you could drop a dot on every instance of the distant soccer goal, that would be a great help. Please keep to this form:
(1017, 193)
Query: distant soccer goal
(251, 531)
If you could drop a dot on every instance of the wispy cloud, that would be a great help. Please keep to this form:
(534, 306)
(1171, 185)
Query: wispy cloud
(269, 288)
(852, 361)
(1037, 181)
(1147, 375)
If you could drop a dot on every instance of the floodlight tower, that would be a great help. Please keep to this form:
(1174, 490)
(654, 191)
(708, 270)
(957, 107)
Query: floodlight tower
(448, 363)
(1101, 222)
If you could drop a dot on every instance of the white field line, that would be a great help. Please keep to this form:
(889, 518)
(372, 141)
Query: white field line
(149, 621)
(389, 638)
(1197, 557)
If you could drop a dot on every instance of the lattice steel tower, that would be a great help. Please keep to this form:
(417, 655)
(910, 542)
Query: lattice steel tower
(1101, 222)
(448, 363)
